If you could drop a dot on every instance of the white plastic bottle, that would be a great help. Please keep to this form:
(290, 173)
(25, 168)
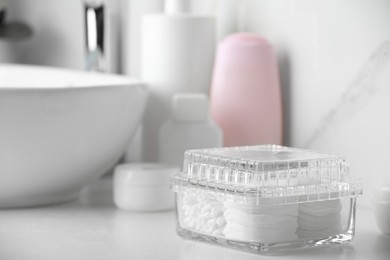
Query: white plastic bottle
(177, 56)
(189, 128)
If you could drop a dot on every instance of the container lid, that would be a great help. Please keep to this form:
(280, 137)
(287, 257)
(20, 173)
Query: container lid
(177, 6)
(144, 174)
(190, 107)
(382, 193)
(268, 174)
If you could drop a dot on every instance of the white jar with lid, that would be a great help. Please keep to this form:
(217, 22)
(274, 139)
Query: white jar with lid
(143, 187)
(189, 128)
(381, 203)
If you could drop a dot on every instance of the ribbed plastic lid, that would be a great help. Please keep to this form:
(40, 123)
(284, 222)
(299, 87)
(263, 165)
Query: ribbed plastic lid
(268, 174)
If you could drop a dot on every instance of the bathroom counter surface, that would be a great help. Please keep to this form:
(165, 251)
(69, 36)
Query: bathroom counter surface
(93, 228)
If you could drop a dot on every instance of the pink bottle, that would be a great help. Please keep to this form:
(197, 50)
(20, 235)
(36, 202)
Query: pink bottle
(246, 98)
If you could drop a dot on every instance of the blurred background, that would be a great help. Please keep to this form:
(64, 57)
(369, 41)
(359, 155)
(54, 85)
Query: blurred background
(333, 58)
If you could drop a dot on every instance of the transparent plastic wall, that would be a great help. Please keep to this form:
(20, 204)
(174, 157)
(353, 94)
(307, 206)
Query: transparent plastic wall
(230, 222)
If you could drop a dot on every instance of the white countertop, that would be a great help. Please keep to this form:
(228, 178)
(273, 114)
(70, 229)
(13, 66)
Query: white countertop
(93, 228)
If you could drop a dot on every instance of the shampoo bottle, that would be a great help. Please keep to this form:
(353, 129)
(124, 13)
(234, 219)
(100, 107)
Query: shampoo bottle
(189, 128)
(246, 100)
(177, 55)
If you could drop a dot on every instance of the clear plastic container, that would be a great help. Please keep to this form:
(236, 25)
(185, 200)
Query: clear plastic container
(265, 198)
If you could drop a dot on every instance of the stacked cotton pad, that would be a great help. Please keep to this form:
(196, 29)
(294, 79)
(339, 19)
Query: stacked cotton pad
(319, 219)
(261, 223)
(203, 214)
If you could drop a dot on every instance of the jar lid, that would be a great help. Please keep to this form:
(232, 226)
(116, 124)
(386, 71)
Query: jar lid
(268, 174)
(382, 193)
(144, 174)
(190, 107)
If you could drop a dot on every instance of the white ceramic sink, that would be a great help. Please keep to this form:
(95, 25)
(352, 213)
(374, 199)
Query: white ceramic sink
(61, 130)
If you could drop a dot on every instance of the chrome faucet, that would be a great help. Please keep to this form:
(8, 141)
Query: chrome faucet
(12, 30)
(94, 15)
